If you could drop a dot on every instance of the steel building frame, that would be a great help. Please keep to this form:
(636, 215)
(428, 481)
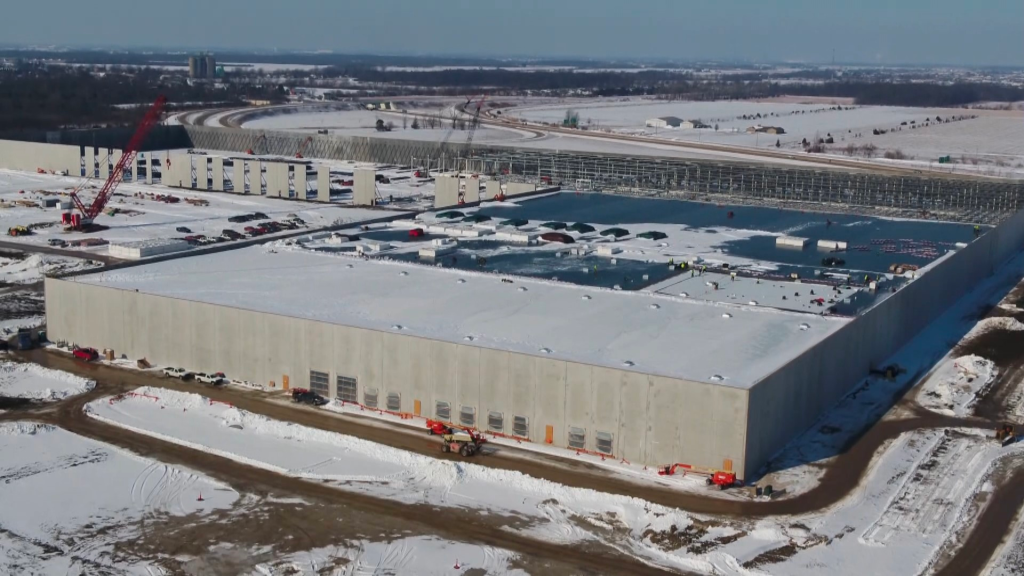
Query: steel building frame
(951, 198)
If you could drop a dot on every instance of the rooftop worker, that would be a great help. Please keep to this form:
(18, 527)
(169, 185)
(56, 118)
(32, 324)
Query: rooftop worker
(733, 276)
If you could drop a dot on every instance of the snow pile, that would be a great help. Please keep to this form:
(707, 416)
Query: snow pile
(35, 267)
(33, 381)
(954, 385)
(1002, 323)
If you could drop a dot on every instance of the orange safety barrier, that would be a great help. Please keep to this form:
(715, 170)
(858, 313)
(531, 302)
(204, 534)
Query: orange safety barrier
(601, 455)
(518, 439)
(549, 434)
(402, 415)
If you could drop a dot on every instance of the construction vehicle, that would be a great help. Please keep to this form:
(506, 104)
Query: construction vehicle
(302, 148)
(466, 442)
(717, 478)
(261, 140)
(19, 231)
(1005, 435)
(83, 220)
(87, 354)
(722, 479)
(474, 123)
(889, 372)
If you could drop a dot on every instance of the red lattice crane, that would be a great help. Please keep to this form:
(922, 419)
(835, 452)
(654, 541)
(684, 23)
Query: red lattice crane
(89, 213)
(303, 147)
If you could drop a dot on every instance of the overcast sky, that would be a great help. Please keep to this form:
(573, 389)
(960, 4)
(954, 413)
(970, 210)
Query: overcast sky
(874, 31)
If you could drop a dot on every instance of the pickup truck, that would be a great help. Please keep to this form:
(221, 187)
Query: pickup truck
(303, 396)
(177, 373)
(214, 379)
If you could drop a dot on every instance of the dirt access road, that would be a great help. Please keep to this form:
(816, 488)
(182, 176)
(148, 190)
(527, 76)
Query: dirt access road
(840, 478)
(462, 525)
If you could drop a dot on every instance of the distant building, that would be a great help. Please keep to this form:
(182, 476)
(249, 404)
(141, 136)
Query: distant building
(665, 122)
(673, 122)
(758, 129)
(202, 66)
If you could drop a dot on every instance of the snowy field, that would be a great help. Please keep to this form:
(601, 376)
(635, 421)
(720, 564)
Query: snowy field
(363, 123)
(799, 120)
(23, 380)
(913, 500)
(69, 503)
(990, 144)
(141, 217)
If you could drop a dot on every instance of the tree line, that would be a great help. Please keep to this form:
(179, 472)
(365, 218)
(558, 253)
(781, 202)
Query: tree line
(52, 98)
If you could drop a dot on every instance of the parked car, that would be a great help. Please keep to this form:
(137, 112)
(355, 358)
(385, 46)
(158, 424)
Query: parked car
(183, 230)
(177, 373)
(87, 354)
(416, 233)
(260, 216)
(303, 396)
(299, 221)
(57, 242)
(214, 379)
(231, 234)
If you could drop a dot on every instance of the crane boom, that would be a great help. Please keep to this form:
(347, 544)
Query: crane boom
(151, 118)
(302, 148)
(474, 123)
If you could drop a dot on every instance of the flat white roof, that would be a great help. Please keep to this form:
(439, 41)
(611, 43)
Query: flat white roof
(731, 345)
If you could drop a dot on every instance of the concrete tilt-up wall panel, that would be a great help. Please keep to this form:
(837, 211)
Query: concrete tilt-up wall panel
(217, 170)
(323, 183)
(200, 161)
(365, 191)
(472, 190)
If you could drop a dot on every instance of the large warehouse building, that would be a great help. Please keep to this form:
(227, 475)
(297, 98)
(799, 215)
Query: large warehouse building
(643, 376)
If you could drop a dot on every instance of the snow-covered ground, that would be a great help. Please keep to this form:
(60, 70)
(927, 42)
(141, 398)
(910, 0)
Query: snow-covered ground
(411, 556)
(953, 387)
(914, 498)
(32, 268)
(989, 144)
(24, 380)
(142, 217)
(68, 501)
(363, 123)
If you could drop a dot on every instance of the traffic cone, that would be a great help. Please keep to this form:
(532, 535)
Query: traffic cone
(200, 499)
(457, 564)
